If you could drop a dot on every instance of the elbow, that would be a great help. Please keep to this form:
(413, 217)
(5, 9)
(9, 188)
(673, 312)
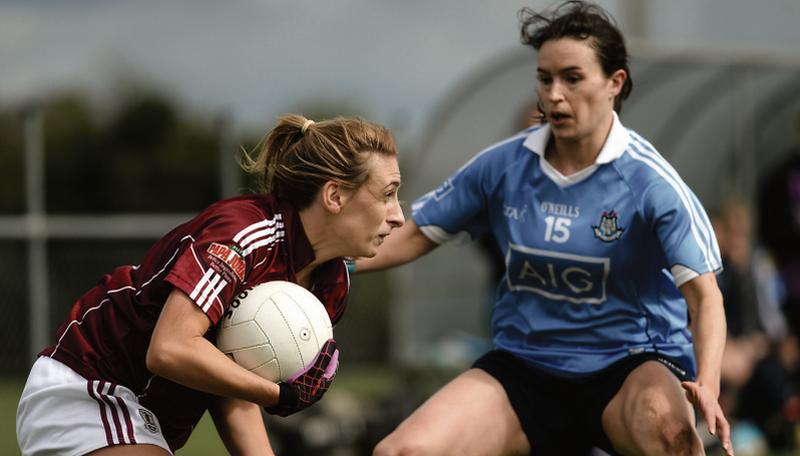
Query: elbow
(158, 359)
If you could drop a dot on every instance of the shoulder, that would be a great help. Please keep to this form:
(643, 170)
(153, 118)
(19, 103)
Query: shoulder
(245, 221)
(243, 211)
(646, 170)
(504, 154)
(508, 149)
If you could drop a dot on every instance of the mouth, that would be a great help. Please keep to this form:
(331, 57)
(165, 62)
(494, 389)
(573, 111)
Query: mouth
(558, 117)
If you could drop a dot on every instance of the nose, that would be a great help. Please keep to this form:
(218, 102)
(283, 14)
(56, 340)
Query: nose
(554, 92)
(395, 217)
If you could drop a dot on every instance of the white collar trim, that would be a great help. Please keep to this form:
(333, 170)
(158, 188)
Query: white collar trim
(615, 145)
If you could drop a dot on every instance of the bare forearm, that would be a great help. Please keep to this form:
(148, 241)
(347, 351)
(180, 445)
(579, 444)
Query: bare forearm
(198, 364)
(179, 352)
(709, 332)
(709, 342)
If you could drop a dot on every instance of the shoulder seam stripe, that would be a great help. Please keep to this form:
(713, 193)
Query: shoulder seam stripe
(705, 248)
(697, 214)
(257, 225)
(260, 234)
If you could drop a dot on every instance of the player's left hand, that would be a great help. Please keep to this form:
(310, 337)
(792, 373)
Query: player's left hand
(703, 398)
(308, 386)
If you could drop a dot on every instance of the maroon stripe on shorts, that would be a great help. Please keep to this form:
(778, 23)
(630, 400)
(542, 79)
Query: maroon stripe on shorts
(106, 427)
(127, 416)
(113, 408)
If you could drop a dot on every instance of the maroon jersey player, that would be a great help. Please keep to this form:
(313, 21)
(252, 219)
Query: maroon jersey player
(136, 360)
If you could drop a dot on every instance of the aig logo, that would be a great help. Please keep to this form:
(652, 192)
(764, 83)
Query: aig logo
(562, 276)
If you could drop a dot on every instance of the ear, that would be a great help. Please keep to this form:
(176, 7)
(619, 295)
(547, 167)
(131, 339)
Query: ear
(617, 81)
(333, 196)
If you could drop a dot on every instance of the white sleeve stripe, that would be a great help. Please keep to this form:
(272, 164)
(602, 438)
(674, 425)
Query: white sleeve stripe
(200, 284)
(201, 301)
(257, 225)
(268, 241)
(701, 220)
(260, 234)
(213, 296)
(681, 274)
(707, 222)
(440, 236)
(692, 222)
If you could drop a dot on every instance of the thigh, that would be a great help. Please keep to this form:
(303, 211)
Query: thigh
(61, 412)
(471, 415)
(651, 403)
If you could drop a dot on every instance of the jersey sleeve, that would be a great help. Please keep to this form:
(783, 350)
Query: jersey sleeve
(682, 228)
(456, 210)
(221, 254)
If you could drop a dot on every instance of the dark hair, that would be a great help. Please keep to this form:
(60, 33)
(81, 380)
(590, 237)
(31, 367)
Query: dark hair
(582, 21)
(299, 156)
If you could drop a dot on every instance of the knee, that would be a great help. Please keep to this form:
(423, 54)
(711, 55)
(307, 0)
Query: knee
(667, 426)
(678, 437)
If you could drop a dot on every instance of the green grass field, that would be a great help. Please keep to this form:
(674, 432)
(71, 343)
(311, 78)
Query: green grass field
(10, 389)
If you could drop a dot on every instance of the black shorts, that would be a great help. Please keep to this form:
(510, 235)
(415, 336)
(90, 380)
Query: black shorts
(562, 415)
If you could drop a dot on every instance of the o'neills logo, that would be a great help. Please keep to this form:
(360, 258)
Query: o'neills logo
(229, 256)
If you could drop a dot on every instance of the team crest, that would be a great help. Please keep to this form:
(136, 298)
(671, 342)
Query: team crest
(150, 422)
(608, 230)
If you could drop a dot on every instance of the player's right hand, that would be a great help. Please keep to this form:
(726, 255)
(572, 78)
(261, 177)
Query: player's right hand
(310, 384)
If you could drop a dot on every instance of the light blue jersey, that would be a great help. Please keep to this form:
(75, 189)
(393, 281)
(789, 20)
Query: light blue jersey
(593, 260)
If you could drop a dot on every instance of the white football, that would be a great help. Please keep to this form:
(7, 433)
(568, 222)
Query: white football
(274, 329)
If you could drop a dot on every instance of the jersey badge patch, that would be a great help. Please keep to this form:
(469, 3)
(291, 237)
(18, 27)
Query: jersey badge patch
(608, 230)
(230, 256)
(150, 422)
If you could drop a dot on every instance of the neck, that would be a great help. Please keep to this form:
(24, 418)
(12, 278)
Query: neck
(315, 227)
(570, 156)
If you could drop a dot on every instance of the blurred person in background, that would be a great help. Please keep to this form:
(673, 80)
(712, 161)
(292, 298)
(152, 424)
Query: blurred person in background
(755, 386)
(771, 397)
(605, 249)
(135, 366)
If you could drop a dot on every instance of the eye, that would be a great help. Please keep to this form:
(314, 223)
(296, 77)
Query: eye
(573, 79)
(544, 79)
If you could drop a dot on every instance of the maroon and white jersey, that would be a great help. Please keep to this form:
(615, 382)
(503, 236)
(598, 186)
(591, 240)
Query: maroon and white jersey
(232, 245)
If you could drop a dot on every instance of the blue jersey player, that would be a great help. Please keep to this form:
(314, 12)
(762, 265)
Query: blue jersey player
(608, 324)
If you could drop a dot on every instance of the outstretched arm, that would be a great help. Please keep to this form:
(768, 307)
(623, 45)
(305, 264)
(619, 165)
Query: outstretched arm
(404, 245)
(709, 331)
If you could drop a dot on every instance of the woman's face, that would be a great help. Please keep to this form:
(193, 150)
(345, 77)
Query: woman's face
(576, 94)
(372, 210)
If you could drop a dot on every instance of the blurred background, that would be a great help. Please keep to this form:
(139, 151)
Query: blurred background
(120, 120)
